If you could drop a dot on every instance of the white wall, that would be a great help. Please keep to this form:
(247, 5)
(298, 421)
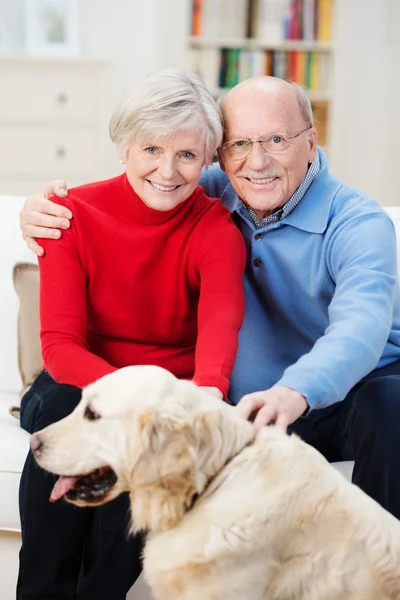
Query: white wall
(138, 36)
(12, 23)
(392, 151)
(365, 120)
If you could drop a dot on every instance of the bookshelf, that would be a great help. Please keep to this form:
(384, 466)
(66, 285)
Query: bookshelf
(232, 40)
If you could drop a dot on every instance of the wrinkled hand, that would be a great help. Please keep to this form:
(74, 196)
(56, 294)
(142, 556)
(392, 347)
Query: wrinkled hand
(41, 218)
(280, 405)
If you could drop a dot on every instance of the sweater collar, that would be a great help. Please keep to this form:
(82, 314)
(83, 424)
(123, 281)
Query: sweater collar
(312, 213)
(297, 197)
(149, 216)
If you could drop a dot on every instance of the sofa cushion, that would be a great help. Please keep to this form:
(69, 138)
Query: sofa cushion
(26, 283)
(12, 250)
(14, 445)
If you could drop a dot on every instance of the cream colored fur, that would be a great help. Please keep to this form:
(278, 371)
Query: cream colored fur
(272, 520)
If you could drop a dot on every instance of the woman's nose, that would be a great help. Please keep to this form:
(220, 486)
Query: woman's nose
(167, 167)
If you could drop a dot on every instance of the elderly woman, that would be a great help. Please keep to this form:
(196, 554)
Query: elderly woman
(141, 277)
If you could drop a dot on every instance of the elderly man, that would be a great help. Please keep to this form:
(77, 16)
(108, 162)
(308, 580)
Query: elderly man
(320, 345)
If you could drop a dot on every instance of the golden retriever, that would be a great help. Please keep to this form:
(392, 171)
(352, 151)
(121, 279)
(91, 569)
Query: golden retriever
(230, 513)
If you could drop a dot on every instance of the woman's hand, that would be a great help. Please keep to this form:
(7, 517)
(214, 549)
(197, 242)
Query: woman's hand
(214, 391)
(41, 218)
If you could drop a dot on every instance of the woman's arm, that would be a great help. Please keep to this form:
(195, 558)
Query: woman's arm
(63, 315)
(221, 264)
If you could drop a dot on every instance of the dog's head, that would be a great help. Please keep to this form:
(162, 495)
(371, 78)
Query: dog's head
(143, 431)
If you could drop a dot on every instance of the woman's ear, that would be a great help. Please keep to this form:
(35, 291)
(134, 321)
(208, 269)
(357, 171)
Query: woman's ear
(121, 155)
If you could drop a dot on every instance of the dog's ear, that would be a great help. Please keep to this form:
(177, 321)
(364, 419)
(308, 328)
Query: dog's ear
(171, 439)
(166, 476)
(221, 435)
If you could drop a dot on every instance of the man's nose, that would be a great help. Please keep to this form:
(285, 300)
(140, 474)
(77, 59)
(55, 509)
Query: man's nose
(36, 443)
(258, 158)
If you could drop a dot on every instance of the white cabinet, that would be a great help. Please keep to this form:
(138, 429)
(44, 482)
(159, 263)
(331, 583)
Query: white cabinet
(52, 122)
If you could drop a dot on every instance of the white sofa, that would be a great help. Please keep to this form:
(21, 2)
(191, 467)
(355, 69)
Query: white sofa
(13, 440)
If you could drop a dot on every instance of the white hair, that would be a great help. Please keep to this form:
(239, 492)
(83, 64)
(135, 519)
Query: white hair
(305, 104)
(163, 103)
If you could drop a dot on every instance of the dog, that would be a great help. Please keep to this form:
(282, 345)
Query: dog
(230, 512)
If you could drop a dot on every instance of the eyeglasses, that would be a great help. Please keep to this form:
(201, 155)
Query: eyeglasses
(240, 149)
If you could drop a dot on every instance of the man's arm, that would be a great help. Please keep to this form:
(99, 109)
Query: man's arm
(363, 266)
(362, 263)
(42, 218)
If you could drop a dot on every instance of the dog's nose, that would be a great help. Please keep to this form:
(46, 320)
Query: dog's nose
(36, 443)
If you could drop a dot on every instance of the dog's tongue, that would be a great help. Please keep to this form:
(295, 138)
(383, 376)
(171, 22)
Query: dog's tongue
(61, 487)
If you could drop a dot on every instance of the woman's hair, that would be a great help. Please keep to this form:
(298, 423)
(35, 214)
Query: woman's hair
(163, 103)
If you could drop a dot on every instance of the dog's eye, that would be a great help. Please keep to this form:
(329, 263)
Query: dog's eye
(90, 414)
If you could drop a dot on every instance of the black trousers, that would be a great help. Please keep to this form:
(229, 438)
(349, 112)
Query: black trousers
(59, 539)
(364, 427)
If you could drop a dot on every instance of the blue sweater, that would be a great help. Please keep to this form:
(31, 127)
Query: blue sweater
(322, 302)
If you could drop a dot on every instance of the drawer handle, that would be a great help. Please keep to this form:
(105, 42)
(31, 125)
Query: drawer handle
(61, 152)
(62, 98)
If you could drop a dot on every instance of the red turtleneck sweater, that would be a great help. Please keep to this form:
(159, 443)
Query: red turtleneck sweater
(129, 285)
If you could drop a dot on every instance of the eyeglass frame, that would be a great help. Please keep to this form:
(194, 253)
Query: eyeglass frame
(250, 143)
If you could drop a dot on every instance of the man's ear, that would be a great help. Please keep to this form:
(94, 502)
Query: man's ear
(312, 136)
(221, 159)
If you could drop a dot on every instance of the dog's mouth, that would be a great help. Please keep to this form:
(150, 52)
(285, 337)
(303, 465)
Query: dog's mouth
(92, 488)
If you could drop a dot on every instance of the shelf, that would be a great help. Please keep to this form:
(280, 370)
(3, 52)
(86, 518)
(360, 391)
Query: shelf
(253, 44)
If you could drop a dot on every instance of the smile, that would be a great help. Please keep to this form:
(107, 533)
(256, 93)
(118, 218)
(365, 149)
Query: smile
(163, 188)
(261, 181)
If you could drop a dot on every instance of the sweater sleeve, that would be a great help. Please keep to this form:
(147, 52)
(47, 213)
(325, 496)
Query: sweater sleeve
(221, 262)
(63, 315)
(362, 264)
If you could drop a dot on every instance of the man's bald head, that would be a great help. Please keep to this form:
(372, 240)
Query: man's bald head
(276, 97)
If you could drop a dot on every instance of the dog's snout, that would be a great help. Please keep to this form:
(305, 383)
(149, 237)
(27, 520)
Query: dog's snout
(35, 443)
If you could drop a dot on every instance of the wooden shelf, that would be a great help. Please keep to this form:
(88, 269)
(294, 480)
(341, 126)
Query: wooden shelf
(254, 44)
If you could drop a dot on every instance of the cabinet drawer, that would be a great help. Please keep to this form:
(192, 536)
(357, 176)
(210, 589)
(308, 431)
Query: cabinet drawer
(35, 151)
(47, 96)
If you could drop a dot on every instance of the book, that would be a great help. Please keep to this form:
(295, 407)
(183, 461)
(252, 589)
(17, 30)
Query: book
(324, 24)
(196, 17)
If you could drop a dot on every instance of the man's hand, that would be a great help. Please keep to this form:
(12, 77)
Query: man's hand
(41, 218)
(279, 405)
